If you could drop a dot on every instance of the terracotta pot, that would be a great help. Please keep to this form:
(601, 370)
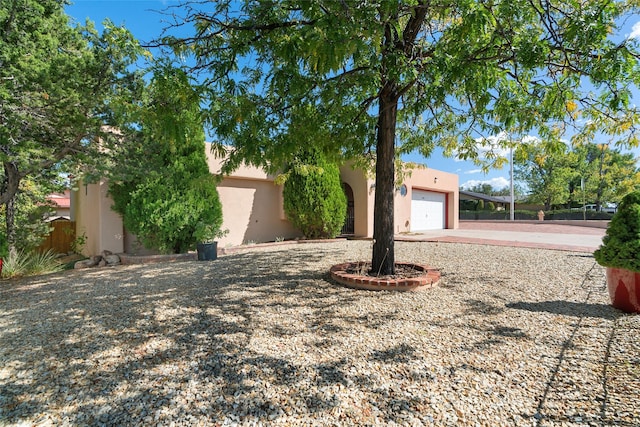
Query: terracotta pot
(624, 289)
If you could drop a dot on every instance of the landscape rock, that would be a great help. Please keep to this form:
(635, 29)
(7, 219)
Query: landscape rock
(85, 263)
(106, 259)
(112, 259)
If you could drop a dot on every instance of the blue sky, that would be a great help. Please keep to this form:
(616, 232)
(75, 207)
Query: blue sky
(145, 20)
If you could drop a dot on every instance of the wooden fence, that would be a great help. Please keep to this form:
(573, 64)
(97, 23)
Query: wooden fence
(61, 237)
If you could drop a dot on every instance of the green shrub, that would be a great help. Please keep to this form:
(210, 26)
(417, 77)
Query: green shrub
(30, 209)
(22, 263)
(575, 214)
(480, 205)
(170, 202)
(498, 215)
(621, 245)
(491, 206)
(15, 264)
(314, 200)
(169, 215)
(77, 245)
(43, 263)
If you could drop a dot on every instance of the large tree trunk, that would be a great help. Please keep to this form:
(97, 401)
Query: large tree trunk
(11, 182)
(9, 189)
(383, 215)
(10, 215)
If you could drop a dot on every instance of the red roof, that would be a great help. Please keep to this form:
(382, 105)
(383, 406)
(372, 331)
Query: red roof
(61, 200)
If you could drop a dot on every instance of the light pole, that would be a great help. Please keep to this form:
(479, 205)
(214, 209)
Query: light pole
(584, 200)
(513, 204)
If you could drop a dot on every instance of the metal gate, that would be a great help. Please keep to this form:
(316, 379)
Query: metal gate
(349, 221)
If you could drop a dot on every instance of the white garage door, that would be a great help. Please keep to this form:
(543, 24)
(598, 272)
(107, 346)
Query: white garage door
(427, 210)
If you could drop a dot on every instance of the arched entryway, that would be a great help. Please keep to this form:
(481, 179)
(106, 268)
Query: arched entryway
(349, 221)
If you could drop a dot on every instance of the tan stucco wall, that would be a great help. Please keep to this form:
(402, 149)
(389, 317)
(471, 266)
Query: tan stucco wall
(244, 171)
(252, 206)
(363, 199)
(94, 217)
(252, 212)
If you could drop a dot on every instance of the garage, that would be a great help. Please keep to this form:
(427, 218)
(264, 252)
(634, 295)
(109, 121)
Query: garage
(427, 210)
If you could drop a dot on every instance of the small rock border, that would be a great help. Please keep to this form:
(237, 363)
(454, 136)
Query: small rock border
(429, 279)
(105, 259)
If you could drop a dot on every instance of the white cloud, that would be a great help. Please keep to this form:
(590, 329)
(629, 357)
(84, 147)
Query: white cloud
(492, 147)
(635, 31)
(530, 139)
(473, 171)
(497, 183)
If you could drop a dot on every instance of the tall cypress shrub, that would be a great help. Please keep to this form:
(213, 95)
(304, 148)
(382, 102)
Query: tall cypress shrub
(314, 200)
(168, 198)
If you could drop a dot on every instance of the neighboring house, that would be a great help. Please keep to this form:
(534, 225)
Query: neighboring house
(62, 230)
(62, 202)
(500, 202)
(252, 208)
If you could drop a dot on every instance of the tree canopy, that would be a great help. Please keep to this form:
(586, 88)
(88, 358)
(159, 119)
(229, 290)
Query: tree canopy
(160, 180)
(547, 173)
(391, 77)
(56, 80)
(488, 189)
(56, 84)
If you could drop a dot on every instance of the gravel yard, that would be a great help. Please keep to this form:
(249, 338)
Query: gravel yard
(511, 337)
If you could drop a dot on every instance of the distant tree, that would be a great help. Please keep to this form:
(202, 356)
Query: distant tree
(546, 173)
(389, 78)
(506, 191)
(482, 189)
(608, 173)
(590, 172)
(161, 184)
(56, 84)
(314, 200)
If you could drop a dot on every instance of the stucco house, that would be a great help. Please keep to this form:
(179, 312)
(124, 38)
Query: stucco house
(252, 208)
(500, 202)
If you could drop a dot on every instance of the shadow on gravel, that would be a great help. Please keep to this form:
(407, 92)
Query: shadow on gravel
(151, 343)
(568, 308)
(615, 369)
(196, 342)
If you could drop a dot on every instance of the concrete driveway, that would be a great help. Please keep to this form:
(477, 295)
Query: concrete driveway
(578, 236)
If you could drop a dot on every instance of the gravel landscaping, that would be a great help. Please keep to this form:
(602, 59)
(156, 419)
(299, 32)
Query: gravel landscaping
(511, 337)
